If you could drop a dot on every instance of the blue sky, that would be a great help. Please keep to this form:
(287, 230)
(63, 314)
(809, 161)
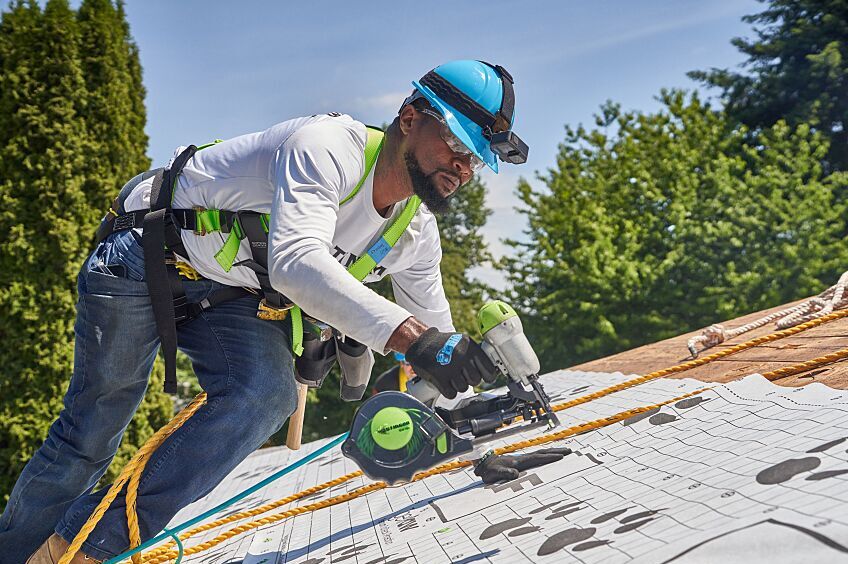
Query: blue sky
(219, 69)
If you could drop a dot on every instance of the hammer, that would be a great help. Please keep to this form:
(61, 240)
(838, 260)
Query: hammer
(296, 420)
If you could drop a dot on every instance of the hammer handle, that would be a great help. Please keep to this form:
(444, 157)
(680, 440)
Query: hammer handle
(296, 420)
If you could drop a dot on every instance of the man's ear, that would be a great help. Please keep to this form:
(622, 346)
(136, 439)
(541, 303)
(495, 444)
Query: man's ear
(406, 118)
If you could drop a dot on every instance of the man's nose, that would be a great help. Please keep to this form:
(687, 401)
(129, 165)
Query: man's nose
(462, 166)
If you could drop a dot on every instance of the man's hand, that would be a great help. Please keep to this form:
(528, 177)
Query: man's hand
(498, 467)
(450, 361)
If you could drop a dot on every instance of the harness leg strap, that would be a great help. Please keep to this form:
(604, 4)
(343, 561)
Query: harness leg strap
(167, 296)
(159, 288)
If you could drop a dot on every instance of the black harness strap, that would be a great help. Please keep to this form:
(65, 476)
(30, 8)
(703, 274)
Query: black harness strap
(218, 297)
(254, 230)
(117, 219)
(183, 218)
(161, 240)
(163, 281)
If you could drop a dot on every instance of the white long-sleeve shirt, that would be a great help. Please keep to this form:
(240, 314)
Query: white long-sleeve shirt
(299, 171)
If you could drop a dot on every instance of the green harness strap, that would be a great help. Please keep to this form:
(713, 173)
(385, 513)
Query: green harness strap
(364, 264)
(373, 145)
(209, 221)
(378, 251)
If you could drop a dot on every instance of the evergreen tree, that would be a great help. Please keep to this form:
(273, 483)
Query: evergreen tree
(114, 111)
(652, 225)
(45, 217)
(115, 115)
(55, 184)
(797, 71)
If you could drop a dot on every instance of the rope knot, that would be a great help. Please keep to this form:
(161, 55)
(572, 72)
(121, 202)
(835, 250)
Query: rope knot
(714, 334)
(711, 336)
(825, 303)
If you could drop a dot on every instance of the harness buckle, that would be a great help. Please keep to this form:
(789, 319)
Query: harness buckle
(199, 227)
(181, 310)
(318, 328)
(122, 222)
(271, 313)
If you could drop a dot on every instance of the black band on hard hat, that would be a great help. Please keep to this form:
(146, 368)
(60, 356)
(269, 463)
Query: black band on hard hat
(508, 96)
(497, 128)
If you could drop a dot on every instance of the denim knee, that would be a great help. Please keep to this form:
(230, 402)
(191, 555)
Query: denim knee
(277, 404)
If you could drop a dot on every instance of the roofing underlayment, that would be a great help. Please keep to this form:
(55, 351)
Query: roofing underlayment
(749, 470)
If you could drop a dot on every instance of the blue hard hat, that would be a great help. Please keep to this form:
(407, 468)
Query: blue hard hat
(459, 90)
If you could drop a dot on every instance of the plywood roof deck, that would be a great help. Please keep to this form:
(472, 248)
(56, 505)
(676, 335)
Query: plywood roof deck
(829, 337)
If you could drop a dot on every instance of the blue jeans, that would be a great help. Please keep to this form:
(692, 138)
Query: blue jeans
(243, 363)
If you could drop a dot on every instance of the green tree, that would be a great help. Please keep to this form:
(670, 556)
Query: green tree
(652, 225)
(797, 71)
(115, 116)
(50, 207)
(114, 112)
(464, 249)
(45, 216)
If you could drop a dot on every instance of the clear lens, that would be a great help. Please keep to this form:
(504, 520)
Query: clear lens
(453, 143)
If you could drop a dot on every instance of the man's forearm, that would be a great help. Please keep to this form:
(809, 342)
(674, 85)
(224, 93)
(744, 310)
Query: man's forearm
(406, 333)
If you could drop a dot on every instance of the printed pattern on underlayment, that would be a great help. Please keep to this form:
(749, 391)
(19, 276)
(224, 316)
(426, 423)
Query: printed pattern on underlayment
(746, 472)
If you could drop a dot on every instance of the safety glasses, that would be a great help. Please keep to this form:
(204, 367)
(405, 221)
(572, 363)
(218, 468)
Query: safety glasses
(453, 143)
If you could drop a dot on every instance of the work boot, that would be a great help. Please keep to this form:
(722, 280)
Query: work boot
(53, 549)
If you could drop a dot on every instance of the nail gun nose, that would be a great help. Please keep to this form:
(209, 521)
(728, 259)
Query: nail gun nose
(542, 398)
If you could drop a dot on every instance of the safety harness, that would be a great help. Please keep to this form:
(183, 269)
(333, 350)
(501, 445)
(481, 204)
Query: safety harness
(162, 243)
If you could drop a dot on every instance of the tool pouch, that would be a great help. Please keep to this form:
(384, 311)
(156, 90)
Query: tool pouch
(356, 361)
(317, 360)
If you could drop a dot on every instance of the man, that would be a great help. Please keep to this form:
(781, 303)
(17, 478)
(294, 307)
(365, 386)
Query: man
(310, 175)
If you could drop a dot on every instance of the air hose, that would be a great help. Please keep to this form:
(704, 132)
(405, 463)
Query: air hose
(173, 532)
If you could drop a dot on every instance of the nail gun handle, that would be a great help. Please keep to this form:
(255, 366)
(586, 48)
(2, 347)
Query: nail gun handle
(508, 348)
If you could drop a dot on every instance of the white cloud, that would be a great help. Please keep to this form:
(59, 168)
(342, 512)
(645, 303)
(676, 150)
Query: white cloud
(612, 39)
(387, 103)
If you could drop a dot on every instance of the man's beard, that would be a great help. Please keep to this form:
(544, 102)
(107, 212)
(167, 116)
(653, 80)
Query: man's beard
(424, 186)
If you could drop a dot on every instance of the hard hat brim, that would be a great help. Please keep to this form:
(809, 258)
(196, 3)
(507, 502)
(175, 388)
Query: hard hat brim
(465, 130)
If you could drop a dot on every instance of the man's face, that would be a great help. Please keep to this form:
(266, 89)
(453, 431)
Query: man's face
(426, 186)
(435, 170)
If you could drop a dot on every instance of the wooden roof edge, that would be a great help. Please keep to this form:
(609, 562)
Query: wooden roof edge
(809, 344)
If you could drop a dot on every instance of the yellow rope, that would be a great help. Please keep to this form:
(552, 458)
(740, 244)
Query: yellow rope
(164, 554)
(136, 463)
(160, 557)
(702, 360)
(141, 456)
(131, 506)
(256, 511)
(807, 365)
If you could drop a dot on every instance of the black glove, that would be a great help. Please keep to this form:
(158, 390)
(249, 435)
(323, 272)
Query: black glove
(450, 361)
(499, 467)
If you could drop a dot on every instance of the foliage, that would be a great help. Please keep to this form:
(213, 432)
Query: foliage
(652, 225)
(65, 132)
(463, 249)
(798, 71)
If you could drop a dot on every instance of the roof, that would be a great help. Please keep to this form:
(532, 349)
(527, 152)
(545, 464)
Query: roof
(746, 471)
(826, 338)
